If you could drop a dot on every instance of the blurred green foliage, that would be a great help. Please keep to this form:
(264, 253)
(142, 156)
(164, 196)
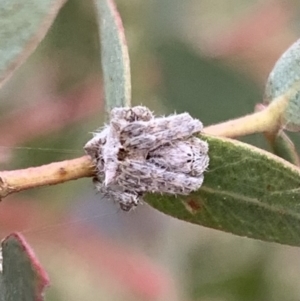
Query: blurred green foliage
(169, 74)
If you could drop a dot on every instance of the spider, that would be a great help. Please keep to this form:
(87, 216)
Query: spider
(138, 153)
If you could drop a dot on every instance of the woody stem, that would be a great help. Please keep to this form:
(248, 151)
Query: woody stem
(50, 174)
(268, 120)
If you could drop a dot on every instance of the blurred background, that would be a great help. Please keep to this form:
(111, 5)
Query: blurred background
(208, 57)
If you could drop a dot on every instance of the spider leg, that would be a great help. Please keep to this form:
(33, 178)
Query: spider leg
(138, 113)
(162, 130)
(110, 153)
(150, 178)
(94, 147)
(183, 156)
(120, 118)
(126, 198)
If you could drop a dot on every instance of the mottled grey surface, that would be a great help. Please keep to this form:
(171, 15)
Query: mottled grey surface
(138, 153)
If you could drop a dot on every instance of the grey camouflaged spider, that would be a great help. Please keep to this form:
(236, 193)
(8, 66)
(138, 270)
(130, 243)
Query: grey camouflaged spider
(138, 153)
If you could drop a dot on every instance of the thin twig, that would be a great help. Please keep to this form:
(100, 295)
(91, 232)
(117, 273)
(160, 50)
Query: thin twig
(268, 120)
(50, 174)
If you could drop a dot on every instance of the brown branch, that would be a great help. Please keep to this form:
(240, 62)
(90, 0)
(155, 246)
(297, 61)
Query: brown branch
(268, 120)
(50, 174)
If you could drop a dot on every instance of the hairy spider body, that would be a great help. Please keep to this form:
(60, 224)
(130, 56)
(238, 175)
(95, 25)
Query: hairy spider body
(138, 153)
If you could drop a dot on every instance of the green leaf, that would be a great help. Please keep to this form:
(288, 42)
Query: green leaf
(246, 191)
(284, 79)
(22, 277)
(23, 24)
(115, 58)
(283, 147)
